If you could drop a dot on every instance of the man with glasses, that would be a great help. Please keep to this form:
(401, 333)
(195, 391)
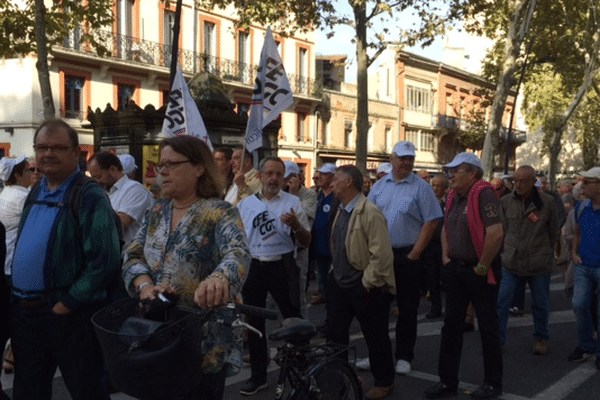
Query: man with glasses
(471, 239)
(275, 224)
(60, 268)
(531, 231)
(412, 213)
(586, 257)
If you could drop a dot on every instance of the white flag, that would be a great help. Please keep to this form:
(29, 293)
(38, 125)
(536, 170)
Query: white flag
(182, 116)
(272, 93)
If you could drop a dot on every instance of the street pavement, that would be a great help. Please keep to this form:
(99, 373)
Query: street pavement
(526, 376)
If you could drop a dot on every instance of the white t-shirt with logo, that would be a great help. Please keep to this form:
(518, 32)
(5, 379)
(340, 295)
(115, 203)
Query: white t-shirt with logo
(267, 235)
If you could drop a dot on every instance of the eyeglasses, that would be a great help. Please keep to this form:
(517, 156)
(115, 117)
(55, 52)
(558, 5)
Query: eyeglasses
(455, 170)
(42, 148)
(169, 165)
(34, 169)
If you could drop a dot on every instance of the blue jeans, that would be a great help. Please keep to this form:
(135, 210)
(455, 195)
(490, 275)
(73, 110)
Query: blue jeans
(540, 302)
(587, 281)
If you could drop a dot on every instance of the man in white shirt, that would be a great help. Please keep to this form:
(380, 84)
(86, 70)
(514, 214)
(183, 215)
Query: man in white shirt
(16, 175)
(129, 198)
(275, 222)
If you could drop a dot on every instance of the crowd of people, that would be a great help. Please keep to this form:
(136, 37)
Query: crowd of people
(218, 229)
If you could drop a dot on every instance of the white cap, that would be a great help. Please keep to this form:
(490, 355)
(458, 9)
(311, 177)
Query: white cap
(404, 148)
(385, 168)
(592, 173)
(128, 163)
(291, 168)
(464, 158)
(327, 168)
(7, 164)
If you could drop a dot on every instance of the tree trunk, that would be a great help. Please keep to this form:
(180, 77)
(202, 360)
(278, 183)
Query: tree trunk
(362, 88)
(519, 23)
(42, 62)
(555, 146)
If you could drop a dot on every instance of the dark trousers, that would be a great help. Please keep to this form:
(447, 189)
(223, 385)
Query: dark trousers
(42, 340)
(408, 294)
(432, 258)
(263, 278)
(462, 286)
(323, 266)
(211, 388)
(371, 309)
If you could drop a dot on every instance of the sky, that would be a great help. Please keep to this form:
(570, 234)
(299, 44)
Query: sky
(341, 43)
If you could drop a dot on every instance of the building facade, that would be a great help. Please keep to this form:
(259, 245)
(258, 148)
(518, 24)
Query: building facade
(136, 68)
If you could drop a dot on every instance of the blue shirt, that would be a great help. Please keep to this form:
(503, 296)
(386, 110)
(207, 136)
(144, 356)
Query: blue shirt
(28, 269)
(589, 226)
(320, 229)
(406, 205)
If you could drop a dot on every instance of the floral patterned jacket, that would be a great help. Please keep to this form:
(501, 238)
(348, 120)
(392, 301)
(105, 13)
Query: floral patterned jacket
(210, 237)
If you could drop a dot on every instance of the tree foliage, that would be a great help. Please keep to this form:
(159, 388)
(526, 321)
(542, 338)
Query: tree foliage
(17, 23)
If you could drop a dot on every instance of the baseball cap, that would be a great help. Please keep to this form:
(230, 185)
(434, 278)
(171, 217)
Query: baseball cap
(8, 164)
(592, 173)
(327, 168)
(404, 148)
(385, 168)
(464, 158)
(128, 163)
(290, 168)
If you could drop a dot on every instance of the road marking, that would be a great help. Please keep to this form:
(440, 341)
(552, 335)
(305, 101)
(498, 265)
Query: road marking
(568, 383)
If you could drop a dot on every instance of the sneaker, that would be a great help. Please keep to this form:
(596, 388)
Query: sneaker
(363, 364)
(403, 367)
(516, 311)
(251, 388)
(379, 392)
(579, 355)
(540, 347)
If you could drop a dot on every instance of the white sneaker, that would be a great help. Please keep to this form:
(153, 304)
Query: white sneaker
(403, 367)
(363, 364)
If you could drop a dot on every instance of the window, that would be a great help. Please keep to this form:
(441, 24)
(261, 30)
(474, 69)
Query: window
(244, 56)
(302, 69)
(169, 23)
(423, 141)
(165, 97)
(300, 126)
(427, 142)
(124, 28)
(348, 139)
(413, 137)
(210, 46)
(73, 96)
(388, 139)
(125, 93)
(418, 99)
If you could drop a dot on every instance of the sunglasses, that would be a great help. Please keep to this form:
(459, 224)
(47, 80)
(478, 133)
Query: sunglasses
(33, 169)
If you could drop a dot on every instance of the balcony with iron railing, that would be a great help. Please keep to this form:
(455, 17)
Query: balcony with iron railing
(454, 123)
(134, 50)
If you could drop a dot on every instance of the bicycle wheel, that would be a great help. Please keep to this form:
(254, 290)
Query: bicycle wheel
(331, 379)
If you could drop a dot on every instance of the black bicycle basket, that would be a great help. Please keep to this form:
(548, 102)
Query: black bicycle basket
(150, 359)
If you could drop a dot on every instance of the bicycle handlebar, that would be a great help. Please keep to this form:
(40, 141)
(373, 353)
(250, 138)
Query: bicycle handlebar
(256, 311)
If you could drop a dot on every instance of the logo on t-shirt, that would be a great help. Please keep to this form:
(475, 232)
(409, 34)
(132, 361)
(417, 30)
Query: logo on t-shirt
(263, 223)
(326, 208)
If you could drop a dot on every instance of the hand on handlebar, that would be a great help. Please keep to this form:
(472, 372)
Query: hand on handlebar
(212, 292)
(149, 292)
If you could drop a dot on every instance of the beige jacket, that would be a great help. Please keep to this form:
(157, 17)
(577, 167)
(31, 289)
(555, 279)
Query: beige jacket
(368, 246)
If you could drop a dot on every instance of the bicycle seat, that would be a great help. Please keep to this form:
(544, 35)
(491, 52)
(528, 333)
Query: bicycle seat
(294, 331)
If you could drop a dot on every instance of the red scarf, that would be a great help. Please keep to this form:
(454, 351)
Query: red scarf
(474, 220)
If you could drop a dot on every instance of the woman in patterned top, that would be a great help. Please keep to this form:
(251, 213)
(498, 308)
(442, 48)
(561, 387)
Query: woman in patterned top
(192, 245)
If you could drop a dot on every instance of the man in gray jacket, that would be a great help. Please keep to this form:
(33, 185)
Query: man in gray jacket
(531, 231)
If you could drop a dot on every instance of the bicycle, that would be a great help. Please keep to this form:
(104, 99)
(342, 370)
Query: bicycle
(158, 354)
(314, 372)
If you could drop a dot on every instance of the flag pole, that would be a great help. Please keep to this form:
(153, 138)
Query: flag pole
(175, 44)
